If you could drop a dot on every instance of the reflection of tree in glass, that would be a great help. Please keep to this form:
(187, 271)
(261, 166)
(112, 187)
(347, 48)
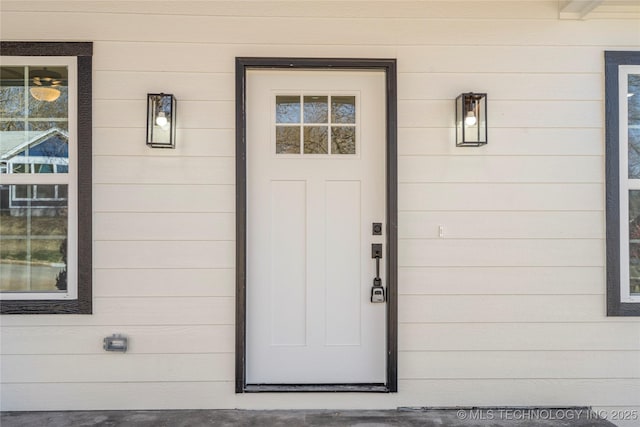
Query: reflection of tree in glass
(634, 240)
(288, 139)
(634, 100)
(343, 109)
(55, 109)
(316, 140)
(61, 278)
(316, 109)
(634, 153)
(14, 111)
(287, 109)
(343, 140)
(11, 104)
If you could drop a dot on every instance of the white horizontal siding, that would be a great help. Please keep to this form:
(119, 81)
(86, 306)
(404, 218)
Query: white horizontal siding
(143, 339)
(500, 308)
(519, 364)
(105, 367)
(212, 394)
(323, 30)
(536, 169)
(500, 197)
(502, 225)
(514, 280)
(506, 309)
(164, 198)
(121, 312)
(515, 141)
(541, 336)
(154, 282)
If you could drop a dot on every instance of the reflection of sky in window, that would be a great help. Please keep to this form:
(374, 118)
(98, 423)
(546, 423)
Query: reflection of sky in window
(634, 125)
(316, 109)
(287, 109)
(343, 109)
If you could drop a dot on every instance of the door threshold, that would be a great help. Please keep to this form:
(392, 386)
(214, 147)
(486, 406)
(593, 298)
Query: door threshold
(316, 388)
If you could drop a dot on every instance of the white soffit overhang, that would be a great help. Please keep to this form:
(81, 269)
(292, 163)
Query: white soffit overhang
(599, 9)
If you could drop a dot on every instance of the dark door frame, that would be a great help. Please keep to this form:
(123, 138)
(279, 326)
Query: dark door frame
(389, 68)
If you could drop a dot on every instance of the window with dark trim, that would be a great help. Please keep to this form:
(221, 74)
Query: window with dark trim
(45, 177)
(622, 85)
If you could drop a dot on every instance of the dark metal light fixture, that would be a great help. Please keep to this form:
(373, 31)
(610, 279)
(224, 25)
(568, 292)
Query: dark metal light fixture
(471, 119)
(161, 120)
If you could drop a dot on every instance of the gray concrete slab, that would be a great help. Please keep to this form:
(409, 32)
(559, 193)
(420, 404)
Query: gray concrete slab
(403, 417)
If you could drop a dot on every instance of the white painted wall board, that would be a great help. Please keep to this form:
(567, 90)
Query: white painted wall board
(144, 339)
(190, 114)
(519, 364)
(186, 86)
(509, 169)
(559, 280)
(164, 254)
(124, 311)
(400, 9)
(517, 113)
(164, 226)
(318, 30)
(499, 197)
(541, 336)
(501, 86)
(500, 252)
(500, 308)
(117, 367)
(163, 198)
(112, 141)
(501, 225)
(165, 282)
(517, 141)
(526, 392)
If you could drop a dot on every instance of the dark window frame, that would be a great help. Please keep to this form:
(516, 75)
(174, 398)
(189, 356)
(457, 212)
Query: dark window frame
(389, 67)
(613, 60)
(84, 53)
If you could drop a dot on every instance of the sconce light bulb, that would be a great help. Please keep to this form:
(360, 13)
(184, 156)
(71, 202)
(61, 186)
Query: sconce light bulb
(161, 119)
(470, 120)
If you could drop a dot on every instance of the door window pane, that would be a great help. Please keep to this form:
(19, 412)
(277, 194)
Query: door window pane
(337, 137)
(343, 109)
(287, 109)
(316, 109)
(343, 140)
(316, 140)
(288, 139)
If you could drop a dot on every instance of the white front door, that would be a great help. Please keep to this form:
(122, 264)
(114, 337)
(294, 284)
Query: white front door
(315, 186)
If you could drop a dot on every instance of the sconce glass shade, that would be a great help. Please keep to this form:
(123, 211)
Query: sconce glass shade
(161, 120)
(471, 119)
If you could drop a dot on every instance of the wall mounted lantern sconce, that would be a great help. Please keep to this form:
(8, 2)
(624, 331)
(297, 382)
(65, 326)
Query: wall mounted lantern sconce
(161, 120)
(471, 119)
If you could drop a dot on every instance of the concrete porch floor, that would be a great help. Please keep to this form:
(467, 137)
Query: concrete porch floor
(498, 417)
